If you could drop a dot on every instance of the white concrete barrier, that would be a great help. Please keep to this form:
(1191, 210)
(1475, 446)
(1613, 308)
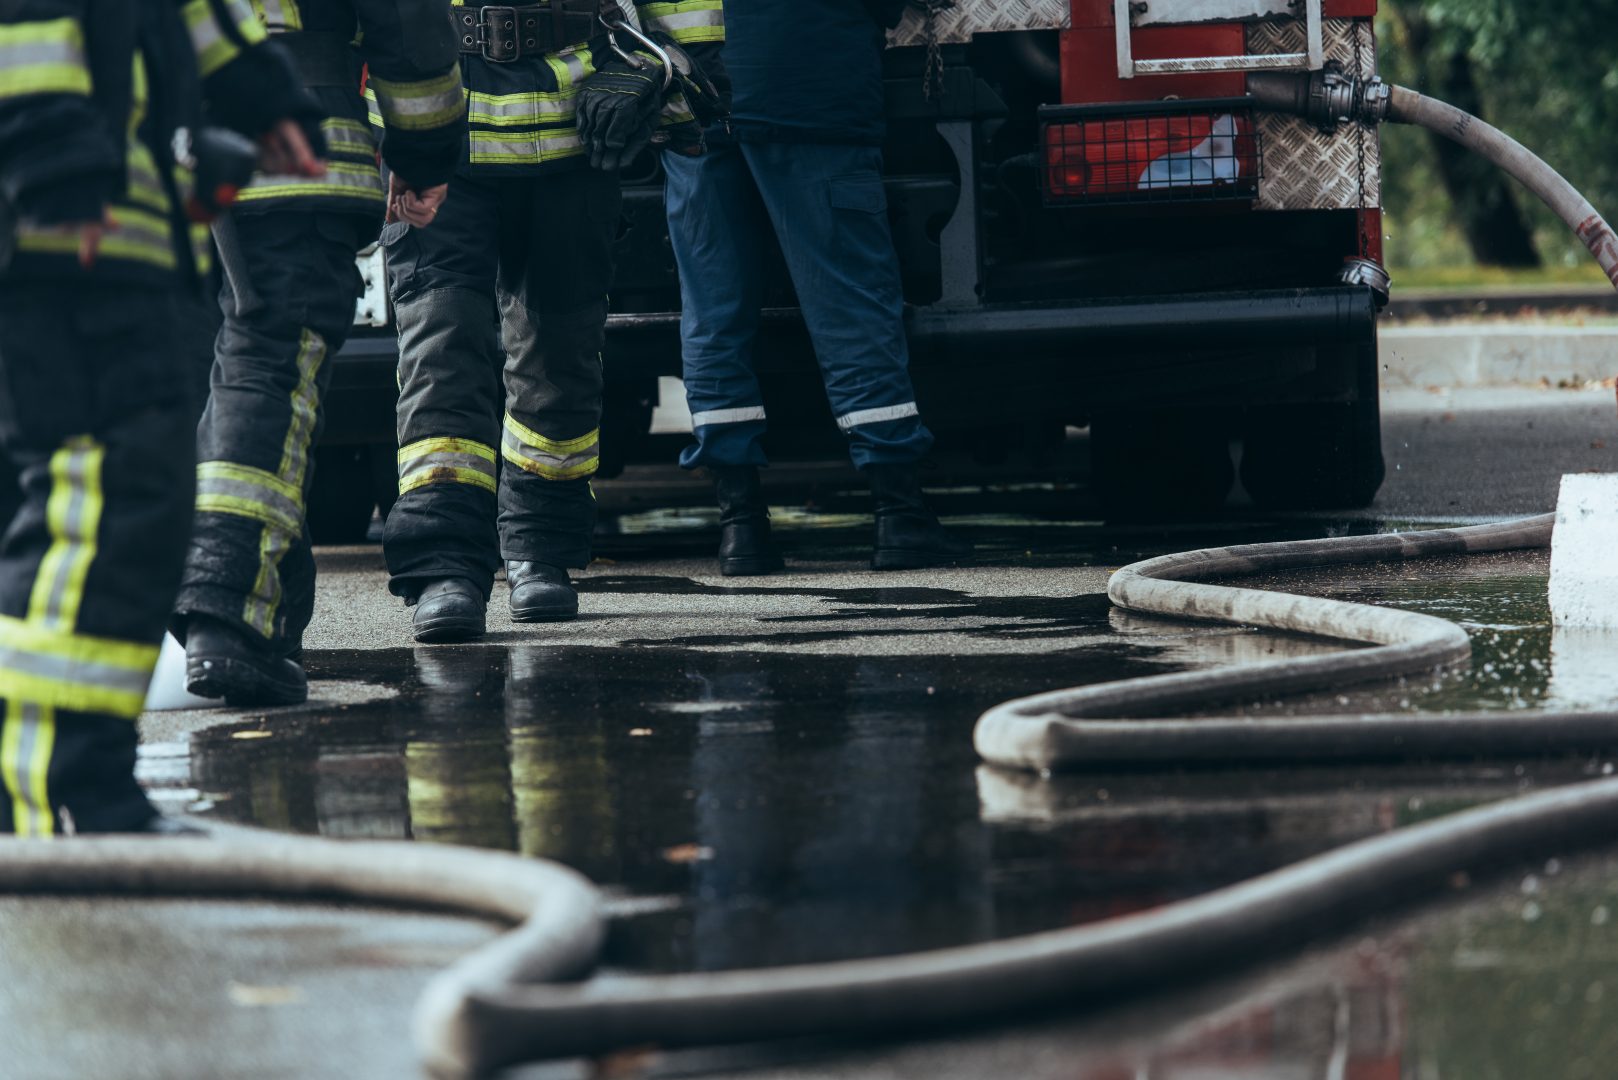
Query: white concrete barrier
(1508, 354)
(1584, 553)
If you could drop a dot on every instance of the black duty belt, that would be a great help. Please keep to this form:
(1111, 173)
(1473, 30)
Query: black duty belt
(323, 59)
(504, 34)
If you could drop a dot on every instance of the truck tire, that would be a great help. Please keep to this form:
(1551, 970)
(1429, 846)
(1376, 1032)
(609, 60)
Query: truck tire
(343, 496)
(1160, 463)
(1314, 457)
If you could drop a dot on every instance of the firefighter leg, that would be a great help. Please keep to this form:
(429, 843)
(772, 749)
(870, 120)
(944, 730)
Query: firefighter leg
(719, 231)
(92, 427)
(830, 212)
(555, 268)
(248, 590)
(442, 278)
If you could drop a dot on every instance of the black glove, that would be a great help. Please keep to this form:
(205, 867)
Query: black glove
(617, 107)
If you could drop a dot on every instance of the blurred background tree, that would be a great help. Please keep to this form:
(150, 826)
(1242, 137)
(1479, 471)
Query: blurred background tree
(1546, 72)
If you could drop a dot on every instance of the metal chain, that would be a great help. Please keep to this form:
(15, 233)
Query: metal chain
(933, 76)
(1360, 130)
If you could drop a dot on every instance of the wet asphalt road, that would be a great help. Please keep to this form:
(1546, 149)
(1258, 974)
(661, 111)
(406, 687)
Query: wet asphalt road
(781, 771)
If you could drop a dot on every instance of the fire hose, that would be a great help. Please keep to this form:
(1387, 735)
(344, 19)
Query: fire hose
(511, 1002)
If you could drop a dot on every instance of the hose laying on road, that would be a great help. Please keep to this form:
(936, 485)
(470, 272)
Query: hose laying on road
(508, 1003)
(1069, 728)
(559, 933)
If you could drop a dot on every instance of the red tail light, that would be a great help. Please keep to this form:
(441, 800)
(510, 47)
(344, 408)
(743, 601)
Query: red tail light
(1192, 151)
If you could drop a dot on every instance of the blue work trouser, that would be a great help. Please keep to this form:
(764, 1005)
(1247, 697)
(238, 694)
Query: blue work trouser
(827, 207)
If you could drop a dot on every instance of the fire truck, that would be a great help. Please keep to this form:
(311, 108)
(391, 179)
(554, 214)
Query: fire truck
(1096, 229)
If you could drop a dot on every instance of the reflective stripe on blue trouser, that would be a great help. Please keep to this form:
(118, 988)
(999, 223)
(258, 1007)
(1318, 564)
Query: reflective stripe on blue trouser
(826, 204)
(97, 462)
(288, 302)
(501, 308)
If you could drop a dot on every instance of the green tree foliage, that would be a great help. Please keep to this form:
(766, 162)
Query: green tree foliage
(1546, 72)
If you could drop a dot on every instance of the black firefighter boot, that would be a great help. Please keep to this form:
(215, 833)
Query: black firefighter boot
(744, 523)
(224, 661)
(450, 609)
(541, 592)
(908, 535)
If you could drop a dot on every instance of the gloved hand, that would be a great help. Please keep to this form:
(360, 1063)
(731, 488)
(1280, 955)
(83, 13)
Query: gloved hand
(617, 107)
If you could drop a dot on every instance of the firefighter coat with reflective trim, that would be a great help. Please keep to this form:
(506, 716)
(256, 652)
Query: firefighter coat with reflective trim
(405, 51)
(91, 95)
(520, 115)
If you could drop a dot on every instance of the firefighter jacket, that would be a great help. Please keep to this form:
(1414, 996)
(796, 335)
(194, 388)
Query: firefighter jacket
(92, 93)
(406, 51)
(521, 112)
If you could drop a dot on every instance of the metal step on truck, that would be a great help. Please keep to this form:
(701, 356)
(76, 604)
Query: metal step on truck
(1096, 229)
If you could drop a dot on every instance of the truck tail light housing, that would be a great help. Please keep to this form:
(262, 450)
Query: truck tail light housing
(1151, 152)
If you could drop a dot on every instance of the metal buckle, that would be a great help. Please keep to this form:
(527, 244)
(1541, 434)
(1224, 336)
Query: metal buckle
(509, 13)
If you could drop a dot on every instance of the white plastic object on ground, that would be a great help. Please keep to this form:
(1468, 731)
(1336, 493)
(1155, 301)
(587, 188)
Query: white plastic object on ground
(167, 691)
(1584, 554)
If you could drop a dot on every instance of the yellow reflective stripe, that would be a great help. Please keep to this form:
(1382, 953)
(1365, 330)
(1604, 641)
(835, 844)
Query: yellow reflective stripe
(446, 461)
(274, 542)
(373, 111)
(505, 147)
(514, 110)
(571, 68)
(552, 459)
(345, 136)
(223, 487)
(58, 668)
(687, 22)
(676, 110)
(422, 105)
(44, 57)
(417, 450)
(26, 745)
(343, 180)
(447, 474)
(279, 15)
(73, 519)
(137, 236)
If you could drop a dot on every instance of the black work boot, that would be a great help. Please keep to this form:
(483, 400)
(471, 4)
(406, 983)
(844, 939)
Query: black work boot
(450, 609)
(224, 661)
(744, 523)
(541, 593)
(908, 535)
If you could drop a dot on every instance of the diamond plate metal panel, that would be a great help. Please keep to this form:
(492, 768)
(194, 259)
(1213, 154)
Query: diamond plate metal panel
(969, 17)
(1303, 169)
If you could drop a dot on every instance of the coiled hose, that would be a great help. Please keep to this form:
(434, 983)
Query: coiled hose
(509, 1003)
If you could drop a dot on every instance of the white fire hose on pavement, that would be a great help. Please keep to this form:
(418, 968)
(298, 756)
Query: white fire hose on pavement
(511, 1002)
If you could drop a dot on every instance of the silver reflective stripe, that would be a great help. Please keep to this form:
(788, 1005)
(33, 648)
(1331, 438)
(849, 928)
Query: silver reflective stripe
(569, 464)
(686, 20)
(877, 416)
(416, 106)
(27, 746)
(40, 53)
(239, 496)
(440, 459)
(529, 147)
(281, 14)
(509, 110)
(573, 66)
(342, 180)
(727, 416)
(349, 137)
(73, 672)
(76, 541)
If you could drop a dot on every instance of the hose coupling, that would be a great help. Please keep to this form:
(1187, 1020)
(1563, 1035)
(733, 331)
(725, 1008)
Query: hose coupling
(1370, 274)
(1328, 98)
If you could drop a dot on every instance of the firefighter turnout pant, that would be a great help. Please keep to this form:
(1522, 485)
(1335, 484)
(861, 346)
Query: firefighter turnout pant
(288, 302)
(97, 494)
(501, 306)
(826, 205)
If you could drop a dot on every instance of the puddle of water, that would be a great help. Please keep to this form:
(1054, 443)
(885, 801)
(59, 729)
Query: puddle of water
(801, 807)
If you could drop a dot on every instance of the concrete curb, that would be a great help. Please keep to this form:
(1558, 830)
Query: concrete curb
(1511, 355)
